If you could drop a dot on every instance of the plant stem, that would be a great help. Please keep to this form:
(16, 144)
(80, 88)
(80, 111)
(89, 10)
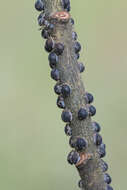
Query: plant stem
(90, 172)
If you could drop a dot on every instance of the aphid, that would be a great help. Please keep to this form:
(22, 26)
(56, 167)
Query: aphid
(109, 187)
(92, 110)
(49, 45)
(41, 19)
(81, 67)
(77, 55)
(59, 48)
(104, 166)
(65, 3)
(55, 74)
(80, 144)
(96, 127)
(82, 114)
(66, 116)
(73, 157)
(39, 5)
(101, 150)
(107, 178)
(60, 102)
(74, 35)
(72, 21)
(72, 142)
(97, 139)
(65, 90)
(77, 47)
(89, 98)
(45, 34)
(51, 27)
(80, 184)
(68, 130)
(46, 23)
(57, 88)
(53, 60)
(68, 8)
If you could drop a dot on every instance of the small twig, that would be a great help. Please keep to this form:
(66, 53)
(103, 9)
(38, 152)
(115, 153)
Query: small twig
(73, 98)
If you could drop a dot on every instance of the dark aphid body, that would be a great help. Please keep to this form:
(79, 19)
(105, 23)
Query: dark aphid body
(57, 89)
(80, 184)
(45, 34)
(104, 166)
(72, 142)
(68, 8)
(109, 187)
(80, 144)
(51, 27)
(68, 130)
(66, 4)
(74, 35)
(60, 102)
(41, 19)
(82, 114)
(77, 47)
(46, 23)
(92, 110)
(77, 55)
(65, 90)
(101, 150)
(39, 5)
(96, 127)
(97, 139)
(81, 67)
(55, 74)
(103, 146)
(53, 60)
(66, 116)
(59, 48)
(72, 21)
(73, 157)
(49, 45)
(89, 98)
(107, 178)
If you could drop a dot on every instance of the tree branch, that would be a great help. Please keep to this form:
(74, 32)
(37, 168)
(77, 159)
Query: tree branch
(90, 166)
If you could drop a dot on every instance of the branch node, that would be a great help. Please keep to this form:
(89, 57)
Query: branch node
(84, 157)
(61, 16)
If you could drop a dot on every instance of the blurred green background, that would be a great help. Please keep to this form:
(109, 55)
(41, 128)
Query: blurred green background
(33, 147)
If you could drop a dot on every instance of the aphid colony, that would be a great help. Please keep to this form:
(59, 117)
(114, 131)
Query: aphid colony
(63, 91)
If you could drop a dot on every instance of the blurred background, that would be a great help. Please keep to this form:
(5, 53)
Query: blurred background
(33, 147)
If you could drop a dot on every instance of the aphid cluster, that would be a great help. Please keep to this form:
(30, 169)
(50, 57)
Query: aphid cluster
(101, 149)
(79, 144)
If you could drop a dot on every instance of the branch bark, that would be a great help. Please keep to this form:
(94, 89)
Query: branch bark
(90, 172)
